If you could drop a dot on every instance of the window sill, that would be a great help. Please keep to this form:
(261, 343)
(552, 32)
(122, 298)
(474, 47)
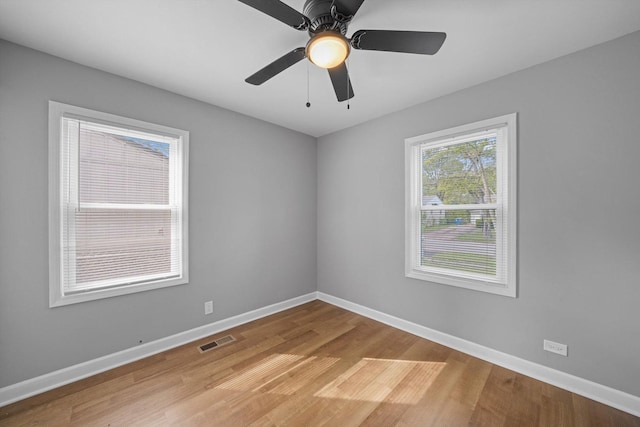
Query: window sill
(466, 283)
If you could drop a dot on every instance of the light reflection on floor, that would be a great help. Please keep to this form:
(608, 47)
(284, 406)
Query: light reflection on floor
(369, 379)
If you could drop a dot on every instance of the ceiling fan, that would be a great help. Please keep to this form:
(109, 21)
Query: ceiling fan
(326, 21)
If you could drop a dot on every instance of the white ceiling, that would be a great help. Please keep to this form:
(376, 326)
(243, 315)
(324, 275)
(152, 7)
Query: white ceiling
(205, 49)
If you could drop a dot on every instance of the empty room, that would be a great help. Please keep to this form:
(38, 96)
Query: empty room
(319, 213)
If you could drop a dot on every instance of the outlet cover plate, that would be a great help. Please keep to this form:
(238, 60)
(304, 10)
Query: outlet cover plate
(208, 307)
(555, 347)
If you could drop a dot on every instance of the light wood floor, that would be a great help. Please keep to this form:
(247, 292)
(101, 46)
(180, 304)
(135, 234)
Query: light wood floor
(313, 365)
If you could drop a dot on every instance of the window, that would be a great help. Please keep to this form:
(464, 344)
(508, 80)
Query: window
(460, 206)
(117, 205)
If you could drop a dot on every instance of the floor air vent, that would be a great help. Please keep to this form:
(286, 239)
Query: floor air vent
(217, 343)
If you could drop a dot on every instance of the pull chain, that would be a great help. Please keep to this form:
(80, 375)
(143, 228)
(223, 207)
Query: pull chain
(308, 102)
(348, 85)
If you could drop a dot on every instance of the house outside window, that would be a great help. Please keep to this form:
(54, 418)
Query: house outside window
(118, 205)
(460, 206)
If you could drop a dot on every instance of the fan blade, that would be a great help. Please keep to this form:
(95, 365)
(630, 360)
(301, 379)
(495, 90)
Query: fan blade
(425, 43)
(348, 7)
(277, 66)
(281, 11)
(341, 82)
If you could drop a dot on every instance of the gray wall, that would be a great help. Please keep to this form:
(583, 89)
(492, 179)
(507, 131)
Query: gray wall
(252, 217)
(578, 218)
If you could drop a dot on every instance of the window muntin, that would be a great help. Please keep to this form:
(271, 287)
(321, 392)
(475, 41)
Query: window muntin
(118, 205)
(460, 206)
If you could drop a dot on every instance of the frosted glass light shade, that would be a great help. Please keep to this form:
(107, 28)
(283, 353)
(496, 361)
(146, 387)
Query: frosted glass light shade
(328, 50)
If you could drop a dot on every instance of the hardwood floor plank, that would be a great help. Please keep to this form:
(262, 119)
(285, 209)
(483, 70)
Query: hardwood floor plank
(313, 365)
(349, 413)
(525, 402)
(495, 400)
(306, 387)
(428, 409)
(555, 413)
(458, 409)
(408, 392)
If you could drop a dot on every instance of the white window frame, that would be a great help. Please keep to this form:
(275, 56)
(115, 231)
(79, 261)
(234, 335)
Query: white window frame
(57, 295)
(506, 168)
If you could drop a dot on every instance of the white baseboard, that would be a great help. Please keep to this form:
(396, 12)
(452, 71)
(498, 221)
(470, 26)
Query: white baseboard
(37, 385)
(615, 398)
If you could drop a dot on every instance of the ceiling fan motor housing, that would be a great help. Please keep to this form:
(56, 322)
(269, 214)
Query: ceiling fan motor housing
(322, 17)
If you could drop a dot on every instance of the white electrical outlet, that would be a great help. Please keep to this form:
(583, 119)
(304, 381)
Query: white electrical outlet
(555, 347)
(208, 307)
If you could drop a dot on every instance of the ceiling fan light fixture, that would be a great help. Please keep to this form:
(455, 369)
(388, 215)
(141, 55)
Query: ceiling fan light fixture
(328, 49)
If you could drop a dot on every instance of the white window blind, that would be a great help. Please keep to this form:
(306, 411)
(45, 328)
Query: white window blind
(461, 206)
(122, 207)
